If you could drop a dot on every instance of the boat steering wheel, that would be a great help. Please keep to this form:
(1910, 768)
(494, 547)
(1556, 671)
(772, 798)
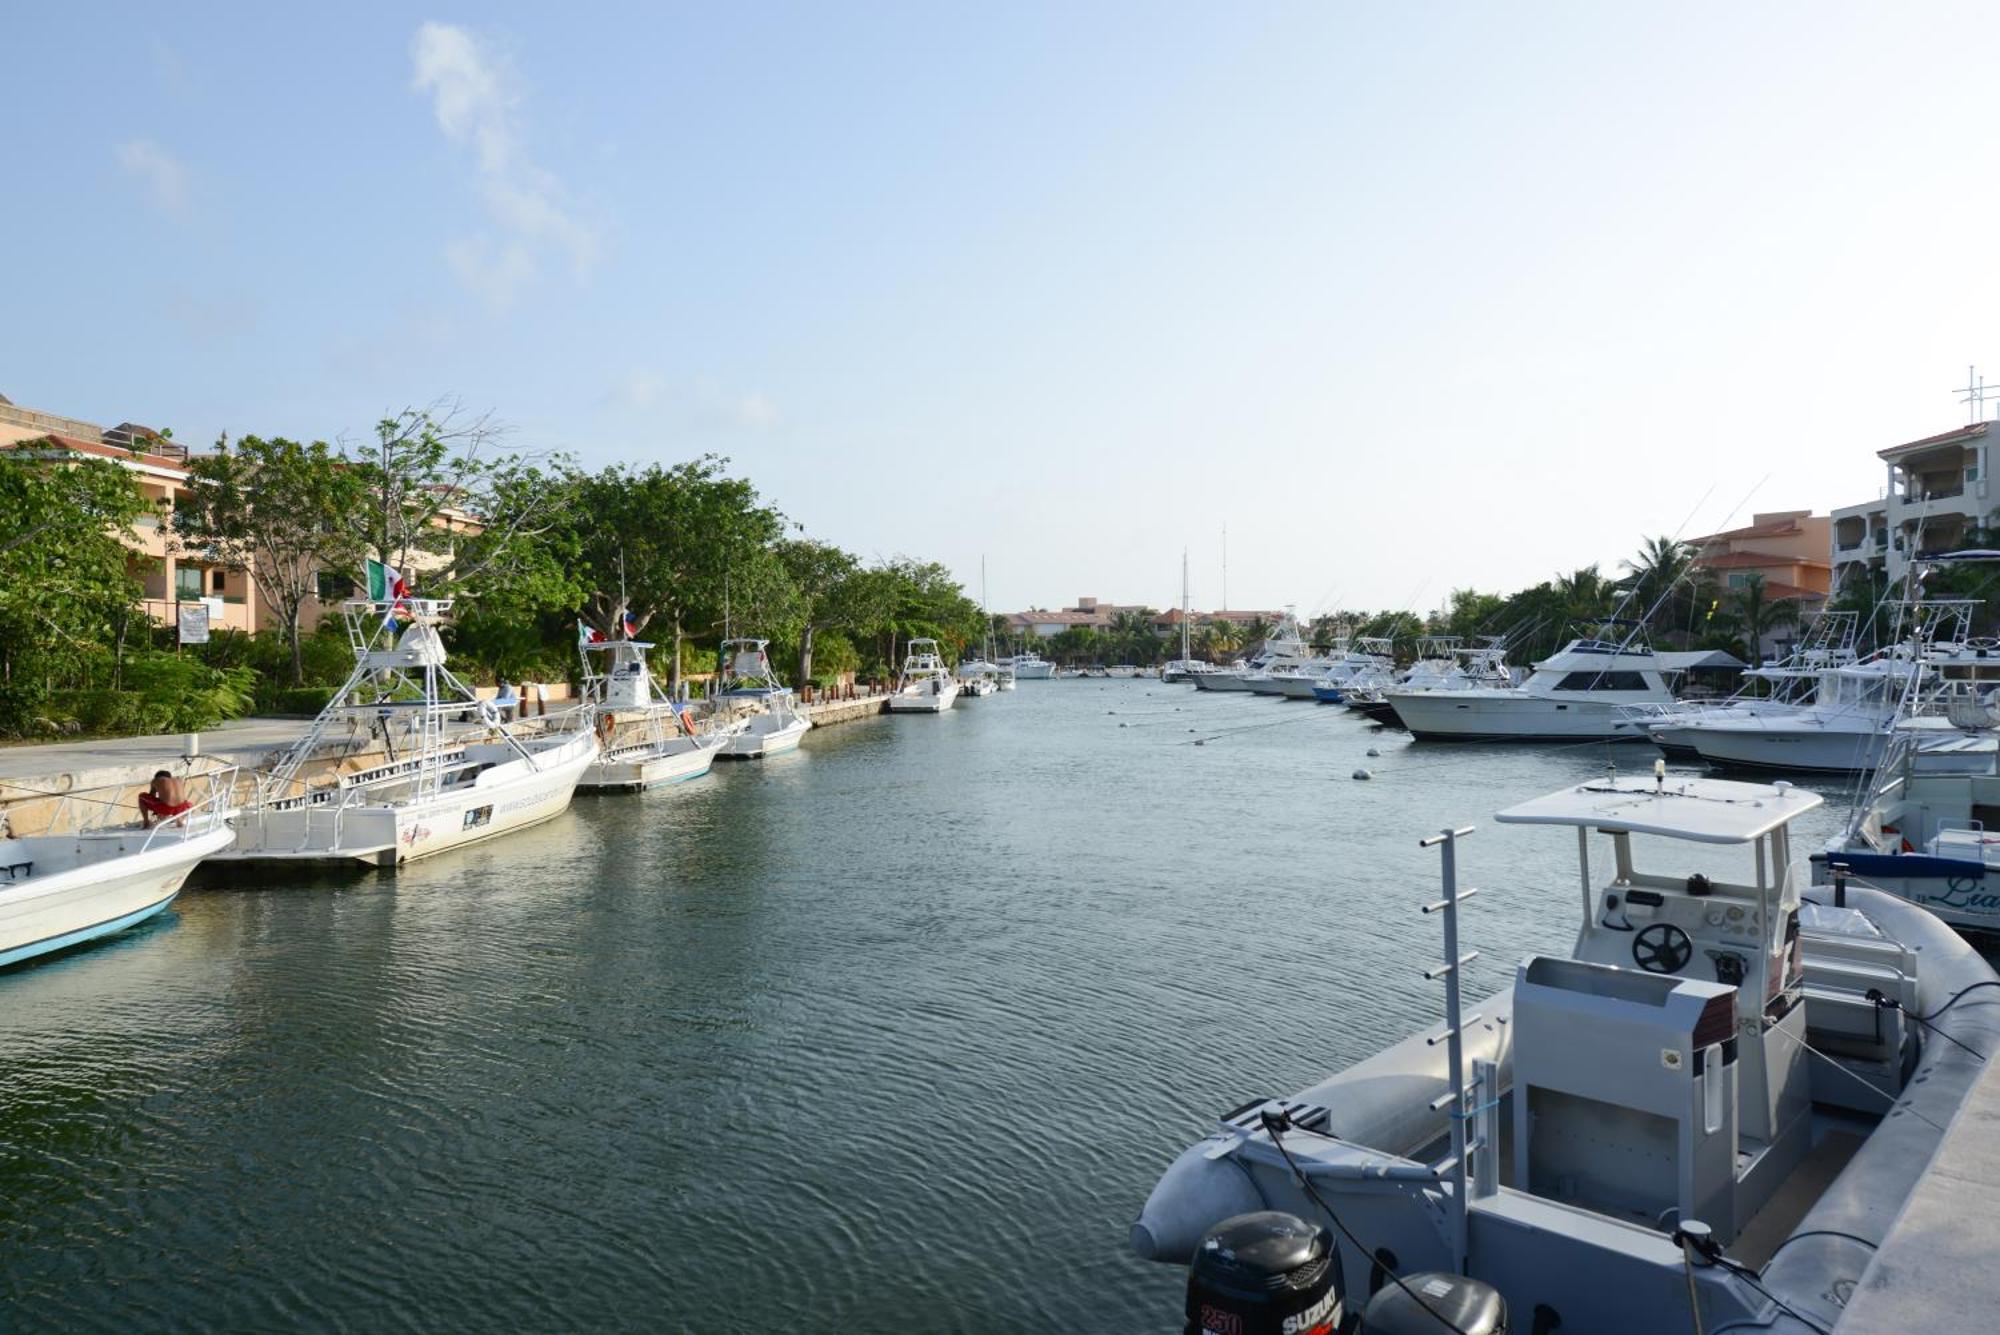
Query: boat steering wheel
(1662, 948)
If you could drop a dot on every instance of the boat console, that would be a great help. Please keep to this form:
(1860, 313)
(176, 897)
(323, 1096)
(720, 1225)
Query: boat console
(1739, 938)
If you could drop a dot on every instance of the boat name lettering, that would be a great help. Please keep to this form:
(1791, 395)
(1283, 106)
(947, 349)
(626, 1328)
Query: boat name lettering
(1965, 893)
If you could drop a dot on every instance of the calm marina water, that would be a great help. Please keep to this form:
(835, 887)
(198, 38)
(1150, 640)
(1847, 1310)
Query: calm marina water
(892, 1034)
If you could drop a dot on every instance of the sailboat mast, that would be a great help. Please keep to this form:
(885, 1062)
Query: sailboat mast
(1184, 608)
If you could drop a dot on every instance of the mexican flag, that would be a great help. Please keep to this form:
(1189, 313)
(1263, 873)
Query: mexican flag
(385, 585)
(586, 634)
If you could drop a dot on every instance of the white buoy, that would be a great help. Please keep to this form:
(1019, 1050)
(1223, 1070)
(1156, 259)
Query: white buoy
(1363, 774)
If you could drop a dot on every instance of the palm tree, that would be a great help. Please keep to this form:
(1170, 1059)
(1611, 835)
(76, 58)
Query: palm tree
(1220, 639)
(1654, 576)
(1759, 615)
(1255, 631)
(1585, 594)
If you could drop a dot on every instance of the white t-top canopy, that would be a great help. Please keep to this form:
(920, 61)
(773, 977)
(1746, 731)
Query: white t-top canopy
(1709, 811)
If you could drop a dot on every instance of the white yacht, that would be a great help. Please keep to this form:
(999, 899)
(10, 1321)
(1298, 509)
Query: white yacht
(1029, 666)
(1573, 695)
(1184, 669)
(746, 681)
(1707, 1114)
(643, 739)
(406, 761)
(1367, 664)
(89, 867)
(926, 685)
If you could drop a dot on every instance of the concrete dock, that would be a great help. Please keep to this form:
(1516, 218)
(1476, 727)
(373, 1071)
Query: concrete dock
(1935, 1272)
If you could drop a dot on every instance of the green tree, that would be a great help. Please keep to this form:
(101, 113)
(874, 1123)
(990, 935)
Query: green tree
(1656, 576)
(65, 578)
(280, 510)
(681, 541)
(1758, 614)
(824, 593)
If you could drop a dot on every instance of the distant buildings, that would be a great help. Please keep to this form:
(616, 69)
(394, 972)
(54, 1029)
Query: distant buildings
(1788, 548)
(166, 577)
(1091, 614)
(1934, 497)
(169, 574)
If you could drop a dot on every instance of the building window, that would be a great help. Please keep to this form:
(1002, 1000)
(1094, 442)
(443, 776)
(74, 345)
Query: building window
(333, 585)
(187, 583)
(215, 582)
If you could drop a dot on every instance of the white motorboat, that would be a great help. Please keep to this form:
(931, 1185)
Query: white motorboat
(1929, 828)
(406, 761)
(1282, 651)
(1184, 669)
(1844, 730)
(926, 685)
(1123, 670)
(1575, 694)
(1770, 690)
(1029, 666)
(90, 867)
(772, 724)
(1707, 1116)
(644, 740)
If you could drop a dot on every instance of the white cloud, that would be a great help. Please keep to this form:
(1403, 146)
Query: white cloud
(159, 173)
(472, 95)
(756, 411)
(700, 404)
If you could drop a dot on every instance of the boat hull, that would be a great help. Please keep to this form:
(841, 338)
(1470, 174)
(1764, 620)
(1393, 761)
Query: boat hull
(40, 916)
(1467, 716)
(754, 743)
(1219, 681)
(631, 774)
(510, 797)
(1819, 751)
(926, 701)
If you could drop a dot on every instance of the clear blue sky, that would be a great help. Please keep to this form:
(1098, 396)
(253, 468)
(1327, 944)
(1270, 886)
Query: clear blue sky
(1408, 296)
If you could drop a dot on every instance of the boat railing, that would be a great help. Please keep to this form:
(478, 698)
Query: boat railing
(107, 809)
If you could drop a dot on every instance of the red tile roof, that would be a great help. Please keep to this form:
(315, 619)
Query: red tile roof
(103, 451)
(1972, 432)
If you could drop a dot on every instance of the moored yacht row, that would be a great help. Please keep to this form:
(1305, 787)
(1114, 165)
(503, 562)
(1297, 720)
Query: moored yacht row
(406, 761)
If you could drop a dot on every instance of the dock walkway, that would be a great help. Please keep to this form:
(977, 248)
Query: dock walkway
(1935, 1270)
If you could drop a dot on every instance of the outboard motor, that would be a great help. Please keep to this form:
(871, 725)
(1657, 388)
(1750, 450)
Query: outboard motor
(1267, 1273)
(1463, 1304)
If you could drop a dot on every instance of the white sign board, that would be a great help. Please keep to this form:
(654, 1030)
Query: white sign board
(194, 623)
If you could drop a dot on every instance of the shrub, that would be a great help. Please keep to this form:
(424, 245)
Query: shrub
(306, 700)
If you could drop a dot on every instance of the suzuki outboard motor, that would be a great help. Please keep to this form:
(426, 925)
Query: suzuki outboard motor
(1267, 1273)
(1454, 1303)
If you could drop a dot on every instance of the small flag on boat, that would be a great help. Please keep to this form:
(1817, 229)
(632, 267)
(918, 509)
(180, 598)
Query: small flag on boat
(587, 633)
(385, 585)
(630, 622)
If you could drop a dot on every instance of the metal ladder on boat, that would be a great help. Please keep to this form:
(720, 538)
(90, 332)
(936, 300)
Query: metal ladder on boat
(1473, 1162)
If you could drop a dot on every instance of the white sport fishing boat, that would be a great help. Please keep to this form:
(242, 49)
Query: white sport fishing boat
(1772, 690)
(1706, 1117)
(1578, 693)
(643, 738)
(406, 761)
(747, 681)
(926, 685)
(90, 867)
(1283, 648)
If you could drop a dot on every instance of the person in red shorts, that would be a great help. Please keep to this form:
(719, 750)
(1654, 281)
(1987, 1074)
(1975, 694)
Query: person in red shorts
(166, 799)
